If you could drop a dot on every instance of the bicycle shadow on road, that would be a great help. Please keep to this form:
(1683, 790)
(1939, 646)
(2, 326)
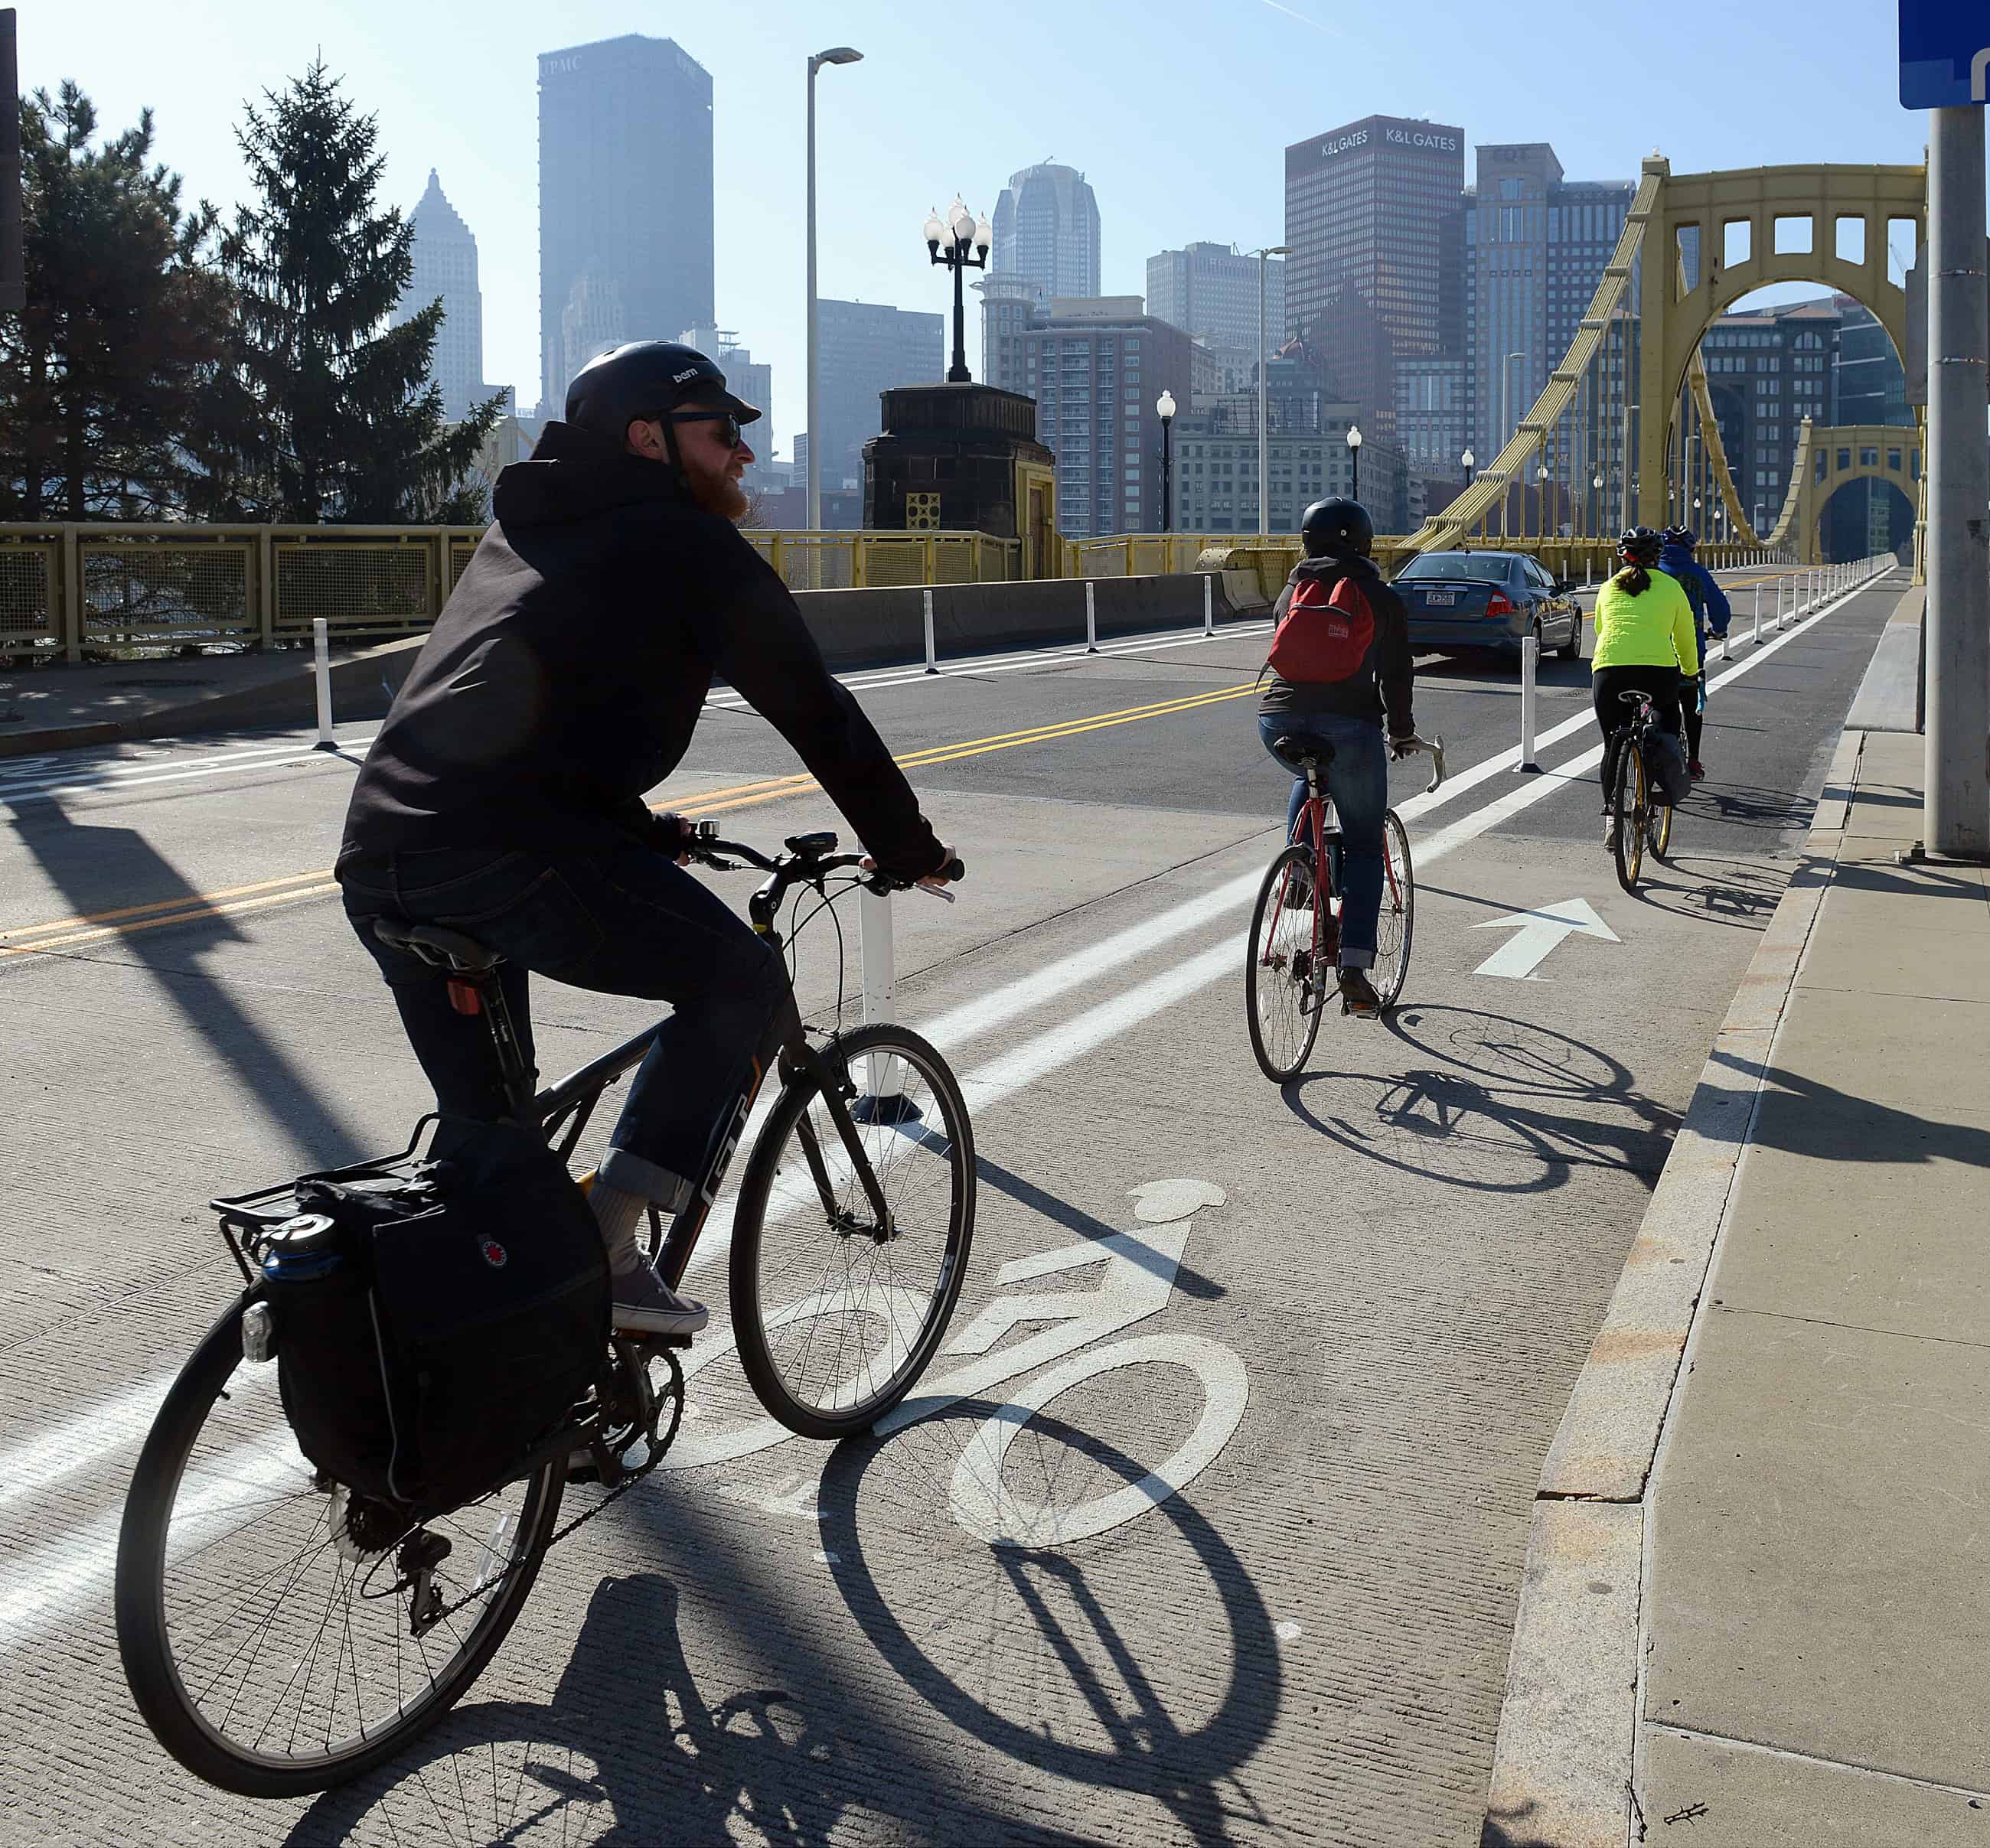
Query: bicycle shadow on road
(1738, 895)
(1482, 1115)
(629, 1750)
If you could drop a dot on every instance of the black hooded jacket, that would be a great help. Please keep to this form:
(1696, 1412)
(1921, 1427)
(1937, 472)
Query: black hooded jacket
(566, 675)
(1385, 678)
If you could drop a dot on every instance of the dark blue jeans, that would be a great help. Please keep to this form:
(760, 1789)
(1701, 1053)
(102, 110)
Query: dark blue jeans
(625, 921)
(1358, 780)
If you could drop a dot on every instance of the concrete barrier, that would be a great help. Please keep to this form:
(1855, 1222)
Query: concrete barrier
(1890, 697)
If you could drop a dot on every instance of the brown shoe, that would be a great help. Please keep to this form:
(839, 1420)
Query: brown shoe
(1358, 996)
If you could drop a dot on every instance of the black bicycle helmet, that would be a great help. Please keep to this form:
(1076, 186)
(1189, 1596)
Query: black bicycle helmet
(1640, 545)
(642, 378)
(1336, 527)
(1679, 535)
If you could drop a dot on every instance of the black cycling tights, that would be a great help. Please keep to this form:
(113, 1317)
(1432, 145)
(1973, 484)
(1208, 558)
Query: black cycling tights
(1613, 716)
(1690, 695)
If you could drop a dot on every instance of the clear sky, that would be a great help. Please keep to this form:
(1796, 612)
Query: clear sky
(1177, 110)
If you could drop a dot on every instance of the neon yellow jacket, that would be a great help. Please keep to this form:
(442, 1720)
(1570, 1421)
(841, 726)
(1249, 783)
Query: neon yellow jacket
(1655, 629)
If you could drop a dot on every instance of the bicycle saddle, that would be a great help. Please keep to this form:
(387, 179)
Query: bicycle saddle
(436, 946)
(1299, 752)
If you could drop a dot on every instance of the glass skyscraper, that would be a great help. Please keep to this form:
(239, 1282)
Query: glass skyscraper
(625, 202)
(445, 255)
(1046, 229)
(1374, 218)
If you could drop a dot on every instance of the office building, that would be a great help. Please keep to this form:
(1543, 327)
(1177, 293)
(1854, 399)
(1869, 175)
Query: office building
(1766, 372)
(445, 260)
(1047, 230)
(1431, 422)
(1216, 469)
(1374, 220)
(864, 349)
(1211, 290)
(1096, 368)
(625, 200)
(1007, 302)
(1535, 247)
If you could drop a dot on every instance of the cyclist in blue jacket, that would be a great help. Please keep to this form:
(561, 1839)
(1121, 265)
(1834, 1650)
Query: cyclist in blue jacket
(1711, 611)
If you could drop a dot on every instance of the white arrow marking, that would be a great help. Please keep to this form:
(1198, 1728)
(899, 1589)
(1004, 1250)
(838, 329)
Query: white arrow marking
(1539, 931)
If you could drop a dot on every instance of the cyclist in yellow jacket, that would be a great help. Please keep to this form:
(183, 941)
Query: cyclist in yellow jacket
(1645, 640)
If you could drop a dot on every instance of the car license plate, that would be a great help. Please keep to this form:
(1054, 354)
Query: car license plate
(1446, 598)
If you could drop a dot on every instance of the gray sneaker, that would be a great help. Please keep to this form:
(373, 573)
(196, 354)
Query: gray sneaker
(645, 1304)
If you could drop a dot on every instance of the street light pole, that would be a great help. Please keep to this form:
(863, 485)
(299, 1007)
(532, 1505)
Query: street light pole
(1354, 458)
(1264, 444)
(840, 54)
(1164, 409)
(961, 229)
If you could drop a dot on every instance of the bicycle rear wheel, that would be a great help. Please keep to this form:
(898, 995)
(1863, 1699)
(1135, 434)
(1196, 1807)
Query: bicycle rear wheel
(1659, 828)
(1283, 985)
(1627, 802)
(835, 1319)
(265, 1622)
(1395, 925)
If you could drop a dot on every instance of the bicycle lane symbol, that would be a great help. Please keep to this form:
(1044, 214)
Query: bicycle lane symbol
(1135, 1284)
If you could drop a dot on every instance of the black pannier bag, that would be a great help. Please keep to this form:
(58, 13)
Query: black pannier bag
(431, 1325)
(1665, 766)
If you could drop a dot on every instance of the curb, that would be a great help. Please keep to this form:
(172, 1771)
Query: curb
(1563, 1763)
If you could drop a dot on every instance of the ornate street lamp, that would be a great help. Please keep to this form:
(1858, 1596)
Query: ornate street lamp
(1467, 459)
(1541, 494)
(1164, 409)
(1354, 457)
(948, 243)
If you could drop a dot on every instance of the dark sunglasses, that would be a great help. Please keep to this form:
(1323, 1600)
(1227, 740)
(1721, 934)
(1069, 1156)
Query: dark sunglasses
(729, 424)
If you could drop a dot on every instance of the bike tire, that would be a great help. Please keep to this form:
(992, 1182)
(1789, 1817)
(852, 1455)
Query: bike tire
(1275, 983)
(154, 1667)
(1627, 814)
(1658, 830)
(1395, 925)
(763, 1327)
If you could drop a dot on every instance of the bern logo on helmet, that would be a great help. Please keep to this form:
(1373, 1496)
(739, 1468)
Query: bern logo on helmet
(493, 1253)
(678, 379)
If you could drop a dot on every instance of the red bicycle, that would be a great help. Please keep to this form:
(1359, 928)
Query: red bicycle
(1294, 947)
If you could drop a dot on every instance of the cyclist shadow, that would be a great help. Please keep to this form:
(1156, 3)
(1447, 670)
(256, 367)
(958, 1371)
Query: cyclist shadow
(1738, 893)
(1483, 1116)
(629, 1750)
(1118, 1729)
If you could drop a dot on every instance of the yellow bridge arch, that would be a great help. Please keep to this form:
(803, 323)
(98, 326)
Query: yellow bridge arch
(1830, 458)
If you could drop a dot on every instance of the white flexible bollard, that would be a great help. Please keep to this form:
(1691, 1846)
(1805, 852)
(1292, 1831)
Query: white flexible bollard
(931, 661)
(321, 673)
(1208, 605)
(1091, 620)
(883, 1082)
(1530, 658)
(1758, 616)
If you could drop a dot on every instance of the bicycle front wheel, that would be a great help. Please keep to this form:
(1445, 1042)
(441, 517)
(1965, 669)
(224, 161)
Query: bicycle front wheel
(1395, 924)
(1283, 980)
(1627, 814)
(270, 1626)
(836, 1316)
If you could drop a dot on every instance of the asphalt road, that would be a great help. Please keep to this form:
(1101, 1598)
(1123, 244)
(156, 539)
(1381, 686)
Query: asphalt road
(1367, 1332)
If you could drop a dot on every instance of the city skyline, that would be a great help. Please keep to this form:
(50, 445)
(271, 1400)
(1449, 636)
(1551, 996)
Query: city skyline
(1105, 112)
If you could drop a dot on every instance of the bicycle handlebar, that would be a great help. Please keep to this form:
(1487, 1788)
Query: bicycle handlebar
(809, 858)
(1433, 747)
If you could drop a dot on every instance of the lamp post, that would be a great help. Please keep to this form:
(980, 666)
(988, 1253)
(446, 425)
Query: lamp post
(1596, 520)
(1541, 495)
(1468, 460)
(1264, 257)
(840, 54)
(948, 243)
(1354, 457)
(1164, 409)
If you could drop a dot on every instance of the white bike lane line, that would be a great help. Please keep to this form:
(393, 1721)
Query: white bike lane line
(1062, 1045)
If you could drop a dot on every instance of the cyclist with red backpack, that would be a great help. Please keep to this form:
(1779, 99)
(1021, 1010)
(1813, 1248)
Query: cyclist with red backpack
(1339, 666)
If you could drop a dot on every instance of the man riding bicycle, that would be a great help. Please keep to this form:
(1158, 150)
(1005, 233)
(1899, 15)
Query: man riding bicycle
(1711, 611)
(504, 795)
(1338, 690)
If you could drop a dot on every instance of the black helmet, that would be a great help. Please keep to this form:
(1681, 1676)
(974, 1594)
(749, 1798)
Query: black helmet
(1337, 527)
(1680, 535)
(642, 379)
(1641, 545)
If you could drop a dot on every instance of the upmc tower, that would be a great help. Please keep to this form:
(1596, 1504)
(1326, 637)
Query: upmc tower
(625, 202)
(1375, 222)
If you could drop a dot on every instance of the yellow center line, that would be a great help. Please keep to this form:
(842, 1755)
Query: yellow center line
(68, 933)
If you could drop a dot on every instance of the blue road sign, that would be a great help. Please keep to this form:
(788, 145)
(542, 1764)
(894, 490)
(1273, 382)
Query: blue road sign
(1944, 53)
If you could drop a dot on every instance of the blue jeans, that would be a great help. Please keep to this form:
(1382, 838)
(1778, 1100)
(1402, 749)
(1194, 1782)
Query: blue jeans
(1358, 780)
(625, 921)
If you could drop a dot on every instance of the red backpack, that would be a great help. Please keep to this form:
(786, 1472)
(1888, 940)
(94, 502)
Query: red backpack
(1322, 637)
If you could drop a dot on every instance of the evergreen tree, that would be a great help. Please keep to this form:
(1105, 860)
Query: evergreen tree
(108, 376)
(349, 428)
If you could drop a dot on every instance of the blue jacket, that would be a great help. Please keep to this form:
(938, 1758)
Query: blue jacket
(1710, 608)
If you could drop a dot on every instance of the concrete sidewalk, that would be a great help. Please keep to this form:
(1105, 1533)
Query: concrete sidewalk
(1753, 1612)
